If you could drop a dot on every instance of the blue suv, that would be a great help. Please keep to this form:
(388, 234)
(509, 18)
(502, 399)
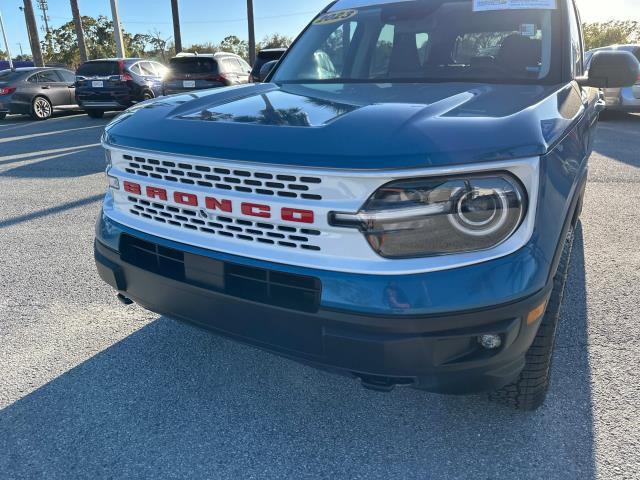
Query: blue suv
(116, 84)
(396, 203)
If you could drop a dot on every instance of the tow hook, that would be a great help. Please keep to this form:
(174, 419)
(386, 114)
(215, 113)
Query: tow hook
(383, 384)
(124, 300)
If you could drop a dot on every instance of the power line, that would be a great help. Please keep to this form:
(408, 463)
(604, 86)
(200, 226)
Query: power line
(232, 20)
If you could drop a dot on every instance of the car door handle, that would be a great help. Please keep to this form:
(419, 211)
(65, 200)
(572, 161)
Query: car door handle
(71, 86)
(45, 87)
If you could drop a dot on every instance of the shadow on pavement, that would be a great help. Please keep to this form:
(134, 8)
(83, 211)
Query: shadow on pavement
(50, 211)
(64, 147)
(618, 128)
(174, 401)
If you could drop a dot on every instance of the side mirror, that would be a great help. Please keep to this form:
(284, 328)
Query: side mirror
(265, 70)
(612, 69)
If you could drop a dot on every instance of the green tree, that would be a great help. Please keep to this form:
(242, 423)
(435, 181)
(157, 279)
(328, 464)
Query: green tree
(275, 40)
(233, 44)
(3, 55)
(61, 44)
(614, 32)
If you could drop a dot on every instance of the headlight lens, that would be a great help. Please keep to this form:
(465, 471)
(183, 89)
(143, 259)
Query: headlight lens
(439, 216)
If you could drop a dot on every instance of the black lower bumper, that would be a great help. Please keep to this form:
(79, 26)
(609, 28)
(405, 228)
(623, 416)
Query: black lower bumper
(435, 353)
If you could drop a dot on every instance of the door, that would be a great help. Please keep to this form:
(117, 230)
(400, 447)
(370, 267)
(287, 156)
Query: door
(69, 78)
(50, 84)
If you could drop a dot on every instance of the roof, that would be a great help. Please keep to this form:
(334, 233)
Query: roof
(113, 59)
(206, 55)
(628, 46)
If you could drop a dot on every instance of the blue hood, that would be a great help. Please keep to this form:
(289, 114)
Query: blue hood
(361, 126)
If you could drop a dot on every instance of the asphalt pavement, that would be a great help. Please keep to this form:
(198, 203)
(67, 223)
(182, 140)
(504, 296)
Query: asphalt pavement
(92, 389)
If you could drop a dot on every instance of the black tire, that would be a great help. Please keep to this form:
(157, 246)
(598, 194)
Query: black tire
(529, 391)
(3, 115)
(41, 108)
(95, 113)
(147, 96)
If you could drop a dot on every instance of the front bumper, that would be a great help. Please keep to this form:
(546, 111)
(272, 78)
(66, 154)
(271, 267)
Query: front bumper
(437, 352)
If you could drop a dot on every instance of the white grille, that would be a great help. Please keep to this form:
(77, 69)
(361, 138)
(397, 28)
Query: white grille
(239, 180)
(241, 229)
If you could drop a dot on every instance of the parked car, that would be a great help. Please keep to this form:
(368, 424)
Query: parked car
(402, 215)
(265, 56)
(625, 99)
(190, 71)
(36, 91)
(117, 83)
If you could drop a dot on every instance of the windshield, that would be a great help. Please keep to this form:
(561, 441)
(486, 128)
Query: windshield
(426, 40)
(98, 69)
(193, 65)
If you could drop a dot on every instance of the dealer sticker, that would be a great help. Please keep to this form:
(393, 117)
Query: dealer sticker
(334, 17)
(487, 5)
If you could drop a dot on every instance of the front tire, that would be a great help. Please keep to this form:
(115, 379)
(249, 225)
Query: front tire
(529, 391)
(95, 113)
(41, 109)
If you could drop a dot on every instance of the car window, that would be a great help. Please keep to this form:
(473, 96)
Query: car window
(33, 78)
(67, 76)
(576, 41)
(244, 66)
(135, 69)
(8, 75)
(430, 40)
(48, 76)
(159, 68)
(193, 65)
(147, 69)
(99, 69)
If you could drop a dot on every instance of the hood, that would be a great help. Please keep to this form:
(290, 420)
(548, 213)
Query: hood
(355, 126)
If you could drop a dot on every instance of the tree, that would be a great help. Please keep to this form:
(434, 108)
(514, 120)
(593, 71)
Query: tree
(161, 46)
(233, 44)
(61, 44)
(611, 33)
(275, 40)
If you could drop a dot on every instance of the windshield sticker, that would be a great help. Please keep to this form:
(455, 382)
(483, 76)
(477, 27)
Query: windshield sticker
(487, 5)
(528, 30)
(334, 17)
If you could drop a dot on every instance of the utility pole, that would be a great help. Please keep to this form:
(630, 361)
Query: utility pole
(77, 22)
(6, 43)
(117, 29)
(177, 37)
(252, 33)
(33, 34)
(44, 8)
(20, 46)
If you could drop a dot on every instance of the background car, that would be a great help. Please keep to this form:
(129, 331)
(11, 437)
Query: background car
(36, 91)
(117, 83)
(191, 71)
(619, 99)
(265, 56)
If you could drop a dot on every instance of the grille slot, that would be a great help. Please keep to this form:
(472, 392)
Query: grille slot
(248, 181)
(245, 230)
(296, 292)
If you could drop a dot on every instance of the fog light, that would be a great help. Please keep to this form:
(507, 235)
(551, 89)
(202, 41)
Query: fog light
(114, 182)
(490, 342)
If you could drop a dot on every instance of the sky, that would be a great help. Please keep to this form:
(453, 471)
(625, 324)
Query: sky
(212, 20)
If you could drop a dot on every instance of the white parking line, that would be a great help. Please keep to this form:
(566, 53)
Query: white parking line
(57, 132)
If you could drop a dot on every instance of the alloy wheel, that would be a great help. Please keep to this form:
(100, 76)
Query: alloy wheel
(42, 108)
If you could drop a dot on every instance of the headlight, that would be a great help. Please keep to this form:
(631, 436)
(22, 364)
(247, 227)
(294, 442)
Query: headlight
(439, 216)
